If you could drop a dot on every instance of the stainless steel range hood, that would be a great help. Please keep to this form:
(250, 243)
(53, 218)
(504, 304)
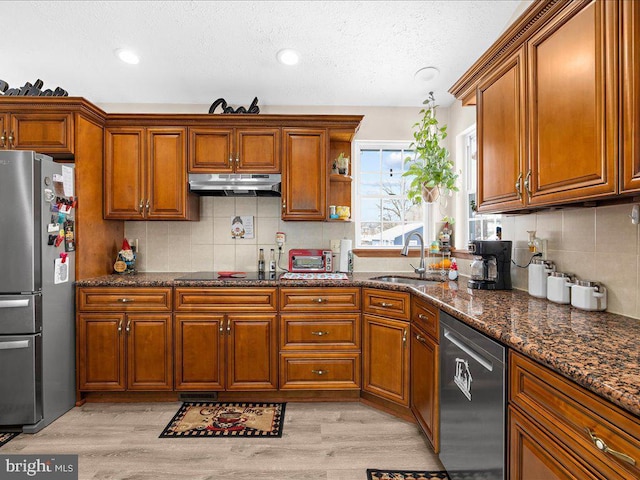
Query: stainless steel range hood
(235, 184)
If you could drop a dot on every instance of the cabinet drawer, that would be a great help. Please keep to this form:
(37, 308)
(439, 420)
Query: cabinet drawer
(386, 303)
(225, 299)
(425, 316)
(340, 371)
(100, 299)
(319, 299)
(333, 331)
(568, 412)
(44, 132)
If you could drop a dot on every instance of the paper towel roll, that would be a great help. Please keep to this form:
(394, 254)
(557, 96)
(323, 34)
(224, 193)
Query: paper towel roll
(345, 248)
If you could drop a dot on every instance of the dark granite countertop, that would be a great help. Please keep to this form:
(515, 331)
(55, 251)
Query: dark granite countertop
(598, 350)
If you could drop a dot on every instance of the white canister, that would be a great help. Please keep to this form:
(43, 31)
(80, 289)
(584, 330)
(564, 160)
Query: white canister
(539, 270)
(559, 287)
(588, 295)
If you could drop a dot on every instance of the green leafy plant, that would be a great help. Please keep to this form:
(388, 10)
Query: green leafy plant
(430, 165)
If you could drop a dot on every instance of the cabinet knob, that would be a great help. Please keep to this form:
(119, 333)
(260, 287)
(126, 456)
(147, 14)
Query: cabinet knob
(320, 333)
(284, 205)
(603, 447)
(320, 372)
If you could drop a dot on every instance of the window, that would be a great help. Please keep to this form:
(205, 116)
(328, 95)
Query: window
(384, 215)
(480, 226)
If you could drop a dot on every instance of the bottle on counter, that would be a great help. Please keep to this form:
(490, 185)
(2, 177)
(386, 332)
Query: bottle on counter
(261, 261)
(272, 261)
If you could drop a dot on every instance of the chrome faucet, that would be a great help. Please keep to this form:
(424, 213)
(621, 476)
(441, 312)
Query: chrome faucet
(421, 270)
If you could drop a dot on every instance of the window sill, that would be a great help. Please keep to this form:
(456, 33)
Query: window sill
(395, 252)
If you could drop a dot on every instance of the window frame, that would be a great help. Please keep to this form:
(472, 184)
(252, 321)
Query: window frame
(378, 250)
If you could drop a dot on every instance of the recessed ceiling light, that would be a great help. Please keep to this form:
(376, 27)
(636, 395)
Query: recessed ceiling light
(426, 74)
(127, 56)
(288, 56)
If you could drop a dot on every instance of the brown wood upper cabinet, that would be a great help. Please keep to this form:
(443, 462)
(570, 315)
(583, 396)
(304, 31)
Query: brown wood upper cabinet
(229, 150)
(630, 81)
(547, 107)
(50, 132)
(145, 175)
(304, 174)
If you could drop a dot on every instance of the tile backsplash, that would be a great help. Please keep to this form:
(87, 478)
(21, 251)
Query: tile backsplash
(599, 244)
(208, 245)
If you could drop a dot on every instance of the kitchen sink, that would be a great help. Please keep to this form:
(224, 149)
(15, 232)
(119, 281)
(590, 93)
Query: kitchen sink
(406, 280)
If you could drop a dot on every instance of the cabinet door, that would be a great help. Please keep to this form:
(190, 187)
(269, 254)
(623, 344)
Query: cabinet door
(533, 455)
(386, 358)
(149, 347)
(211, 150)
(501, 137)
(258, 150)
(4, 135)
(101, 351)
(304, 174)
(630, 96)
(572, 94)
(124, 174)
(424, 385)
(252, 352)
(167, 173)
(50, 133)
(199, 353)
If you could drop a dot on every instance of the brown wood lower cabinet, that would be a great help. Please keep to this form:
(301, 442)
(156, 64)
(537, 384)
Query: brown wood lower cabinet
(560, 430)
(386, 358)
(424, 384)
(226, 352)
(120, 351)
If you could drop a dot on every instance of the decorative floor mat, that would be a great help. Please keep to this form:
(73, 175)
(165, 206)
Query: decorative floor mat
(235, 419)
(374, 474)
(6, 437)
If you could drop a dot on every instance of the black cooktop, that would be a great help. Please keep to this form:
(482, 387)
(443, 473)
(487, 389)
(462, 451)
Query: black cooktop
(229, 276)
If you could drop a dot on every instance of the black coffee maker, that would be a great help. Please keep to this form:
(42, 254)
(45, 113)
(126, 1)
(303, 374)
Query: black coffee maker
(491, 265)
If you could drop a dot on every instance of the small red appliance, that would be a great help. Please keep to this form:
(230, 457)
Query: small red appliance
(310, 260)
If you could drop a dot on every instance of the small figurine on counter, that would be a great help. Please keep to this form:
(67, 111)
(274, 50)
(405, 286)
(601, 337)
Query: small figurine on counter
(453, 270)
(126, 261)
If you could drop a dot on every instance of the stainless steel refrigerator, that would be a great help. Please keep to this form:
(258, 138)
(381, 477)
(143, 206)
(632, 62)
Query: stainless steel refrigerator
(37, 328)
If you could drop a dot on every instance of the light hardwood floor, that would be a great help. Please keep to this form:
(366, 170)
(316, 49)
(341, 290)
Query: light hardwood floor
(332, 441)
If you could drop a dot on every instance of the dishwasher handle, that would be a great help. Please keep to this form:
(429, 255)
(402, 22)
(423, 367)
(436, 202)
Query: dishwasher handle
(469, 350)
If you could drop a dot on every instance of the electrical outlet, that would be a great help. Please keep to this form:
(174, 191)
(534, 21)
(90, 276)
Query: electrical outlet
(281, 238)
(335, 246)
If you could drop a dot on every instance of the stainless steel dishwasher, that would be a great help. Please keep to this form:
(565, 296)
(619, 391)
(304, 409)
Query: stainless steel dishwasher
(472, 402)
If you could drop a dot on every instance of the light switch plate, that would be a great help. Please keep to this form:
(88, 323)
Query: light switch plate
(335, 246)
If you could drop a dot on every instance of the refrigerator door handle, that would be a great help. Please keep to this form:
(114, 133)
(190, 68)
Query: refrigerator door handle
(14, 345)
(23, 302)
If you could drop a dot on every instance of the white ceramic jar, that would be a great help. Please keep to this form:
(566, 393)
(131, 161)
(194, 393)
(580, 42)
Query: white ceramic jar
(559, 287)
(588, 295)
(539, 270)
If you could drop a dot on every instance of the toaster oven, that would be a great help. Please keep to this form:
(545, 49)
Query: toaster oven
(310, 260)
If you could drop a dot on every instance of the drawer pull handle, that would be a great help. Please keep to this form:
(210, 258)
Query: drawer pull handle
(11, 140)
(120, 326)
(3, 139)
(422, 317)
(126, 300)
(404, 338)
(320, 300)
(128, 327)
(600, 445)
(319, 333)
(420, 338)
(385, 304)
(319, 372)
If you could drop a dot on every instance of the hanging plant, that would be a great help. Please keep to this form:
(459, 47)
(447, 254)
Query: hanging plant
(431, 169)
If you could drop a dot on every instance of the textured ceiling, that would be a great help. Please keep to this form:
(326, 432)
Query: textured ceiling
(352, 53)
